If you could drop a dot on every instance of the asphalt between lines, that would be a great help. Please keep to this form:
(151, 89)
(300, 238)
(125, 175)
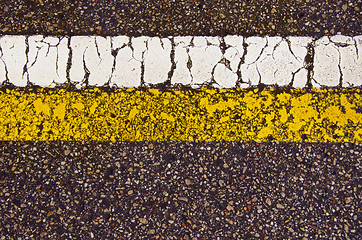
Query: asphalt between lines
(182, 115)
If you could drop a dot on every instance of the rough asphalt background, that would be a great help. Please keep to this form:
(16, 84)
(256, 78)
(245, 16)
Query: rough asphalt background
(180, 190)
(173, 190)
(186, 17)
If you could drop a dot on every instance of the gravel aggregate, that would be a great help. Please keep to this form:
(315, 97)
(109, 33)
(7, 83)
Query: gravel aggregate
(180, 190)
(185, 17)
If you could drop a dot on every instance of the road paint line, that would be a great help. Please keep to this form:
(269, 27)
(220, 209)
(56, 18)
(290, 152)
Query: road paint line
(194, 61)
(317, 115)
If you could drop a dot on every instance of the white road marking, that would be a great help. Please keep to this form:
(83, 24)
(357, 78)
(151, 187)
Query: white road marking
(182, 73)
(157, 60)
(227, 70)
(204, 54)
(126, 69)
(47, 60)
(326, 62)
(223, 62)
(14, 58)
(92, 60)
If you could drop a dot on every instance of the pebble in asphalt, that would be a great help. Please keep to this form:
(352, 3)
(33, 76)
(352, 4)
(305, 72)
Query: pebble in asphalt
(179, 190)
(185, 17)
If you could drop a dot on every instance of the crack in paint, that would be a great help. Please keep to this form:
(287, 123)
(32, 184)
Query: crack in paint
(86, 70)
(7, 82)
(114, 53)
(275, 47)
(189, 64)
(143, 84)
(309, 63)
(242, 61)
(293, 76)
(261, 52)
(172, 59)
(97, 48)
(25, 70)
(356, 47)
(69, 62)
(57, 58)
(290, 48)
(339, 68)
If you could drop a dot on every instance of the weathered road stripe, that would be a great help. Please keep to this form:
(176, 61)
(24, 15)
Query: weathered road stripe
(220, 62)
(184, 115)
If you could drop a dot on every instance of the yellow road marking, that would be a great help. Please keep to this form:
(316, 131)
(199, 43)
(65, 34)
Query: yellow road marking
(182, 115)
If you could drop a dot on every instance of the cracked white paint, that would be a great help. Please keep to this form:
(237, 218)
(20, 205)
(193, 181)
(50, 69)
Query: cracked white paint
(2, 67)
(326, 61)
(182, 73)
(300, 78)
(92, 60)
(223, 62)
(299, 48)
(350, 61)
(13, 57)
(274, 61)
(204, 56)
(157, 60)
(226, 71)
(47, 60)
(126, 69)
(249, 70)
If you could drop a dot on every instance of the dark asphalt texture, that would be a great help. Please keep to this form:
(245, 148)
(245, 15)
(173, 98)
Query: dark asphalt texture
(180, 190)
(173, 190)
(185, 17)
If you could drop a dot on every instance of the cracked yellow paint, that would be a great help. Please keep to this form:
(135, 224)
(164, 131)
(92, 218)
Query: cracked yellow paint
(183, 115)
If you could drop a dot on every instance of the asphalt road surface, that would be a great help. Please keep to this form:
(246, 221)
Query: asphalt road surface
(186, 17)
(180, 190)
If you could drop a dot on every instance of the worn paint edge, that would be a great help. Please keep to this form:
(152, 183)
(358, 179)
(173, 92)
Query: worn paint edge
(296, 115)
